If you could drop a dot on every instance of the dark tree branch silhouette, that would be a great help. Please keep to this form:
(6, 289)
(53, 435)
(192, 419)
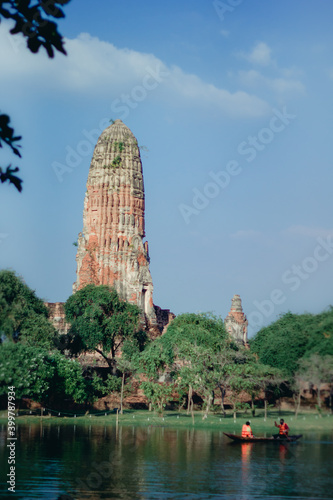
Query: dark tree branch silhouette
(33, 20)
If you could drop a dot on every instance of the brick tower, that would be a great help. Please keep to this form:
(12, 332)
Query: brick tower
(236, 322)
(111, 248)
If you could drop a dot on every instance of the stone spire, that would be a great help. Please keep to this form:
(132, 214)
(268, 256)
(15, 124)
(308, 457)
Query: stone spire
(236, 322)
(111, 250)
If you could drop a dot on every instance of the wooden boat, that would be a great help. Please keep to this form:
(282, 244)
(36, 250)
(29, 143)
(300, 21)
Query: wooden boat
(239, 438)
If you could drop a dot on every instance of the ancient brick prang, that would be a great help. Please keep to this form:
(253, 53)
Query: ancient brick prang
(111, 250)
(236, 322)
(57, 316)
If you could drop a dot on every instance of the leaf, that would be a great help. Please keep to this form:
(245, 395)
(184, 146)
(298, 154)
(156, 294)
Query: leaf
(17, 28)
(51, 9)
(4, 120)
(49, 50)
(13, 179)
(5, 13)
(7, 134)
(32, 23)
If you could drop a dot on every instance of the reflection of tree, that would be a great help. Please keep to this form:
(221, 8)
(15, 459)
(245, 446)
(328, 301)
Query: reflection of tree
(99, 462)
(95, 460)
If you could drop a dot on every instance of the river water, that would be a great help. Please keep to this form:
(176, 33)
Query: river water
(147, 463)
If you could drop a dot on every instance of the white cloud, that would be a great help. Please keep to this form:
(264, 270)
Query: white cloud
(310, 231)
(95, 66)
(192, 88)
(260, 54)
(280, 85)
(286, 79)
(292, 72)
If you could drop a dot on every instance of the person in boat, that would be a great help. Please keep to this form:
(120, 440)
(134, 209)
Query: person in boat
(283, 429)
(247, 431)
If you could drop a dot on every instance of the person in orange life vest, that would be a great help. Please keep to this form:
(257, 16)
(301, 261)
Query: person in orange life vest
(246, 430)
(283, 429)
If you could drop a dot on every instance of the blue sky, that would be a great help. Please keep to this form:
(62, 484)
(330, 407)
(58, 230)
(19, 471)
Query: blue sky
(233, 107)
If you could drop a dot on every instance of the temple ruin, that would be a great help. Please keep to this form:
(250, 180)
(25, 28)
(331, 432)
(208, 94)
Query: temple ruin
(236, 322)
(111, 248)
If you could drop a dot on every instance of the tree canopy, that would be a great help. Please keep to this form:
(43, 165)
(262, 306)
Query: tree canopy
(186, 330)
(283, 343)
(39, 374)
(103, 322)
(204, 329)
(316, 370)
(199, 355)
(23, 316)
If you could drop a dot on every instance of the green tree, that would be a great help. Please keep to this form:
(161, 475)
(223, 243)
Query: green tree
(198, 353)
(103, 322)
(234, 374)
(126, 367)
(23, 316)
(26, 369)
(292, 337)
(284, 342)
(67, 379)
(236, 386)
(37, 330)
(155, 358)
(190, 335)
(33, 20)
(321, 339)
(224, 362)
(199, 369)
(295, 385)
(257, 379)
(159, 395)
(203, 329)
(39, 374)
(316, 370)
(185, 352)
(152, 363)
(238, 370)
(97, 387)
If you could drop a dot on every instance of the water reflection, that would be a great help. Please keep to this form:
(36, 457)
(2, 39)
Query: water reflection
(246, 450)
(102, 462)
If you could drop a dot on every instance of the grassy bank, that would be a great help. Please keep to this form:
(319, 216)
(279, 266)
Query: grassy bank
(306, 421)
